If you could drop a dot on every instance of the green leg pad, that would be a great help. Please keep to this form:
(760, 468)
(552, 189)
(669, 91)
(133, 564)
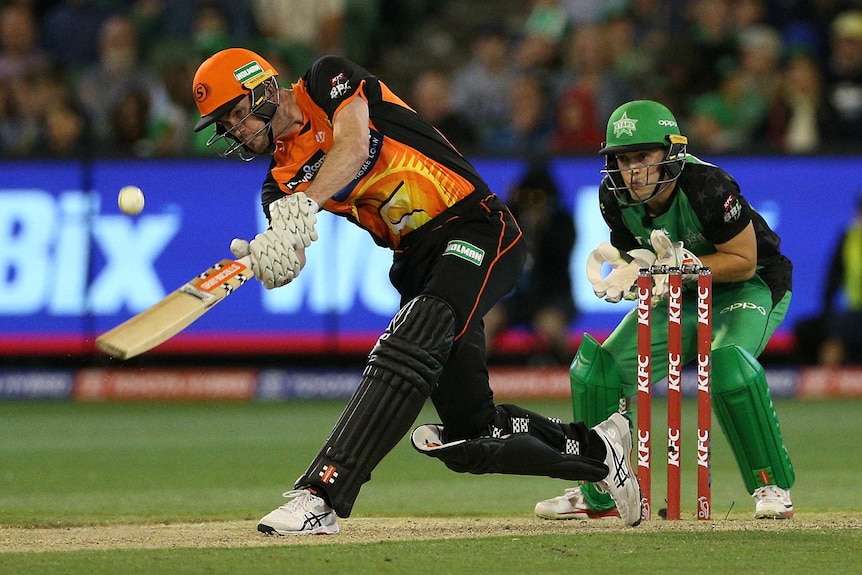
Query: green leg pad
(596, 387)
(596, 394)
(742, 403)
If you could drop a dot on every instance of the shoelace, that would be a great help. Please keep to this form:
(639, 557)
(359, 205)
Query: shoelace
(298, 498)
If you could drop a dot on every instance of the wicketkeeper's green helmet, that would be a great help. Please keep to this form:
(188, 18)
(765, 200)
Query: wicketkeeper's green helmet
(643, 125)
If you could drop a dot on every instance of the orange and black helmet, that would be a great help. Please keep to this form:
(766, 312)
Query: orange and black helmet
(224, 79)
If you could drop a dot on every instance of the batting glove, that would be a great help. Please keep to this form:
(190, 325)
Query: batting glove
(620, 282)
(295, 216)
(274, 262)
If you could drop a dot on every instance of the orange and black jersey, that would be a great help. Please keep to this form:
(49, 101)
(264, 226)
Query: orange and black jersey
(412, 172)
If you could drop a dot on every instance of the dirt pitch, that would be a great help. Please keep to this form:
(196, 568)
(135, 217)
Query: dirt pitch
(230, 534)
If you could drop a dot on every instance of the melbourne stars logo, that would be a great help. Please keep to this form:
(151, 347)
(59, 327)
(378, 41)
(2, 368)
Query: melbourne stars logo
(625, 125)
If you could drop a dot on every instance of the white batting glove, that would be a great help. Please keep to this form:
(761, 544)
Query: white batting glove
(620, 282)
(295, 216)
(671, 254)
(274, 262)
(239, 248)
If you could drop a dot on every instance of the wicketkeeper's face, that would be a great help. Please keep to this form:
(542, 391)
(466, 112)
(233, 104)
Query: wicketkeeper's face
(641, 171)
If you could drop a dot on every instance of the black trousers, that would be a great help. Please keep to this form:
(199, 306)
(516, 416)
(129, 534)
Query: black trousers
(469, 256)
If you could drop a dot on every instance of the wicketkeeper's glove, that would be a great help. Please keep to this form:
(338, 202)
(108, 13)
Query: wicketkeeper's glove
(620, 282)
(670, 254)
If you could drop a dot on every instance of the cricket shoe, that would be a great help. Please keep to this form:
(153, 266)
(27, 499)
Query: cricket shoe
(572, 505)
(772, 502)
(621, 483)
(304, 514)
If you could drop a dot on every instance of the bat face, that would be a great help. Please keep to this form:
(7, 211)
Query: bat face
(176, 311)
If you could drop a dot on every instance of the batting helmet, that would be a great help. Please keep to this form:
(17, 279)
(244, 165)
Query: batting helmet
(643, 125)
(225, 78)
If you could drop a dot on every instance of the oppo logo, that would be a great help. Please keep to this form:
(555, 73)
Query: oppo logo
(666, 123)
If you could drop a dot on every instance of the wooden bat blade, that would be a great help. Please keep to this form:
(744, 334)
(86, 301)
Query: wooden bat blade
(175, 312)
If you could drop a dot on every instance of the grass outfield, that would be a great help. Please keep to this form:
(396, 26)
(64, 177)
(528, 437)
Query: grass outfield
(177, 488)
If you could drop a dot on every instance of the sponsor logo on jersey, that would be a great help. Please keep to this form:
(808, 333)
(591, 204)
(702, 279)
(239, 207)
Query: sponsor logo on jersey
(375, 141)
(732, 209)
(307, 172)
(466, 251)
(625, 125)
(340, 86)
(744, 305)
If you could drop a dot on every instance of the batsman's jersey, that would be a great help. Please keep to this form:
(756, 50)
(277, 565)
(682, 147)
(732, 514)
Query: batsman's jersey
(411, 175)
(706, 209)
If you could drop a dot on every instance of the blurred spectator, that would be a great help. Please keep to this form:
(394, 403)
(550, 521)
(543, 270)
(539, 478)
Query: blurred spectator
(542, 301)
(590, 82)
(529, 124)
(70, 32)
(431, 98)
(582, 12)
(130, 124)
(760, 51)
(302, 29)
(119, 71)
(800, 120)
(164, 23)
(542, 35)
(480, 88)
(749, 13)
(844, 87)
(727, 120)
(634, 63)
(708, 47)
(843, 319)
(66, 130)
(18, 131)
(19, 53)
(575, 130)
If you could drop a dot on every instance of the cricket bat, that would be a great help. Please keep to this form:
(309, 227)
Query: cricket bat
(176, 311)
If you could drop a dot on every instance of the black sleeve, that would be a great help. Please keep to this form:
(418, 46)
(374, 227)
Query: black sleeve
(620, 236)
(332, 79)
(715, 197)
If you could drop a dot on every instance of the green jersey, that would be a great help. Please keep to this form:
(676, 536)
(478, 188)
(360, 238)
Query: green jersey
(706, 209)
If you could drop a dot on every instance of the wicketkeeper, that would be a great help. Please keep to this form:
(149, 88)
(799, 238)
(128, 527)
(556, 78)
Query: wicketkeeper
(342, 142)
(665, 206)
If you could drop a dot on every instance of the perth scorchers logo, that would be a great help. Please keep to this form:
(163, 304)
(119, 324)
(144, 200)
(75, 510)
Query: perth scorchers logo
(202, 91)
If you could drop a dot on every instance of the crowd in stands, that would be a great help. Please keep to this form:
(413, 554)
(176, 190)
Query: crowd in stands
(112, 78)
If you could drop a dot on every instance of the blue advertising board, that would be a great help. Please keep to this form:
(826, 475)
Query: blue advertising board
(72, 265)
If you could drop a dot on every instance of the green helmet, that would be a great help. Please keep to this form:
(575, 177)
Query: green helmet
(643, 125)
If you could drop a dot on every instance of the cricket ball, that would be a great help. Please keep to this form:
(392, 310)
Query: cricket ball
(131, 200)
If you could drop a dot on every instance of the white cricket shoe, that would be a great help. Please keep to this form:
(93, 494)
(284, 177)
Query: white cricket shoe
(621, 483)
(572, 505)
(304, 514)
(772, 502)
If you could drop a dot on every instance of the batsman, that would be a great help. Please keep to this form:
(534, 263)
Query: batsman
(342, 142)
(665, 206)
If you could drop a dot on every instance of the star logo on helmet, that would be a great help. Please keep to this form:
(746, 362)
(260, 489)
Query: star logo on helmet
(625, 125)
